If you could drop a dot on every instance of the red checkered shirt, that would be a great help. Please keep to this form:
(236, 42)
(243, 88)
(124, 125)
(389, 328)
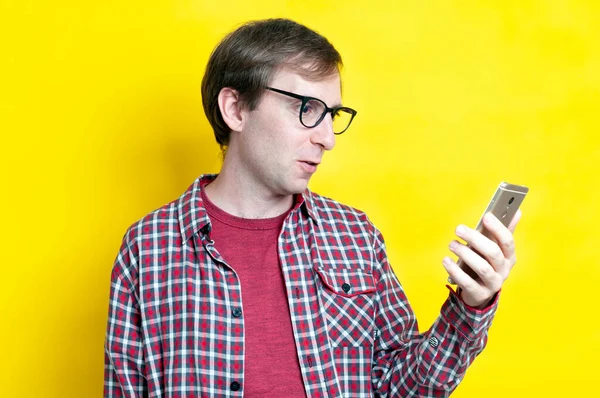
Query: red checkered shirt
(176, 320)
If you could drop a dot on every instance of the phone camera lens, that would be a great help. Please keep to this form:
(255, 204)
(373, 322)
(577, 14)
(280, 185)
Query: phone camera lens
(511, 200)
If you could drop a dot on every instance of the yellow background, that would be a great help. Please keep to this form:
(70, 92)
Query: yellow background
(101, 122)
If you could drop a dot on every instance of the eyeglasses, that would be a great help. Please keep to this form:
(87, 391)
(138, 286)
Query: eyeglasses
(312, 111)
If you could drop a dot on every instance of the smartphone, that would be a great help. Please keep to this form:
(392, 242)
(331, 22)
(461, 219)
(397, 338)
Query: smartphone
(504, 206)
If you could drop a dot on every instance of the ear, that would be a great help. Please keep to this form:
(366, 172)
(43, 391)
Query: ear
(230, 106)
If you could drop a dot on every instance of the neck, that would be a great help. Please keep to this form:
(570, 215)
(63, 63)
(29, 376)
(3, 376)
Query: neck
(236, 192)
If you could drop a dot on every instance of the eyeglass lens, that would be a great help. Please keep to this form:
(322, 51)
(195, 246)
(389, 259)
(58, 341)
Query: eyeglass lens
(312, 112)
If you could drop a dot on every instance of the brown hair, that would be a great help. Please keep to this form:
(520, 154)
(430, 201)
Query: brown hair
(246, 59)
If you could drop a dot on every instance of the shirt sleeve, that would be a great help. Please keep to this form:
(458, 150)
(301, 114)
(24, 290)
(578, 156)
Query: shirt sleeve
(431, 364)
(123, 349)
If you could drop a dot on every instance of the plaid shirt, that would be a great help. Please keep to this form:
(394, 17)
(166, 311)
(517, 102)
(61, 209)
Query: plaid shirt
(176, 320)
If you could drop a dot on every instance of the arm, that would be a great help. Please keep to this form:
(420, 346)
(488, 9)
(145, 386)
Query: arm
(123, 349)
(432, 364)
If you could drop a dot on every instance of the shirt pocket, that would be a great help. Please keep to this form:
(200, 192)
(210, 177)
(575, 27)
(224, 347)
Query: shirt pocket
(348, 305)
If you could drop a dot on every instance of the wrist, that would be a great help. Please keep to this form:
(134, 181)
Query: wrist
(478, 305)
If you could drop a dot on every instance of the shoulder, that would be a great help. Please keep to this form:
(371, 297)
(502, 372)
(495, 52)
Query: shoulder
(170, 221)
(163, 221)
(139, 238)
(337, 217)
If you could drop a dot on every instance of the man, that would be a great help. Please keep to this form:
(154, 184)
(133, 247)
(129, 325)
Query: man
(250, 284)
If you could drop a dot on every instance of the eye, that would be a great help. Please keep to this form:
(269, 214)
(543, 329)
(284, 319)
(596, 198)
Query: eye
(307, 108)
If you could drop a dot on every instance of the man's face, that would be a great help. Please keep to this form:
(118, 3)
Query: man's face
(278, 153)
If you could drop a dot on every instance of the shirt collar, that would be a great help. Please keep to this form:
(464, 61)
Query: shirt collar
(307, 203)
(193, 216)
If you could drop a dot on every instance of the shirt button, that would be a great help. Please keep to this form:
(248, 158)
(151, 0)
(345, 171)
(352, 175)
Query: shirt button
(237, 312)
(235, 386)
(346, 287)
(434, 342)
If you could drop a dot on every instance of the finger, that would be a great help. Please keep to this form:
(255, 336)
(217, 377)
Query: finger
(513, 223)
(487, 247)
(502, 235)
(476, 292)
(486, 272)
(458, 276)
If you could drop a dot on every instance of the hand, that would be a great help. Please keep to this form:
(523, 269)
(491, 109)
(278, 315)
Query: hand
(492, 262)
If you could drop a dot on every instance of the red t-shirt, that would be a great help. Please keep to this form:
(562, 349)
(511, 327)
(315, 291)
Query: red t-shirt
(249, 246)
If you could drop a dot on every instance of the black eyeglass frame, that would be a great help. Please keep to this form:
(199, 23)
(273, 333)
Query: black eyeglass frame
(327, 110)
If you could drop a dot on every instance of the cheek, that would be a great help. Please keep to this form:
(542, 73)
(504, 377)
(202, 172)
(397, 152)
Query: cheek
(274, 140)
(279, 141)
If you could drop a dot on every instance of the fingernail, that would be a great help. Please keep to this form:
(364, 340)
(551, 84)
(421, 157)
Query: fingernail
(460, 230)
(453, 245)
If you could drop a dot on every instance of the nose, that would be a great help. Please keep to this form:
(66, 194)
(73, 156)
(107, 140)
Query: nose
(322, 134)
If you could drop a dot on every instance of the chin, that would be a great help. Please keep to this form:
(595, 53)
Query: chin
(297, 187)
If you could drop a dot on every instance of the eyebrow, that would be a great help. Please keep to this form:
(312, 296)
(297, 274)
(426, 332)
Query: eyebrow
(338, 105)
(292, 94)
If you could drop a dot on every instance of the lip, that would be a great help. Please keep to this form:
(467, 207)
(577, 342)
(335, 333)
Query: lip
(309, 166)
